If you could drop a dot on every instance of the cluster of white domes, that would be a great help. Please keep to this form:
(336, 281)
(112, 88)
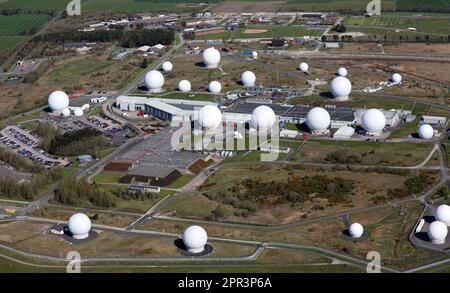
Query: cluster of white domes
(58, 101)
(437, 232)
(184, 86)
(373, 121)
(167, 66)
(356, 230)
(79, 225)
(210, 116)
(425, 131)
(263, 117)
(397, 78)
(303, 67)
(342, 72)
(154, 80)
(214, 87)
(318, 119)
(195, 238)
(341, 88)
(443, 214)
(211, 57)
(248, 78)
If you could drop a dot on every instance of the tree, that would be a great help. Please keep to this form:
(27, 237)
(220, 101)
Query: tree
(144, 63)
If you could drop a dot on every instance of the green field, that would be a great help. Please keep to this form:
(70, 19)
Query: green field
(10, 42)
(334, 5)
(272, 31)
(434, 25)
(21, 24)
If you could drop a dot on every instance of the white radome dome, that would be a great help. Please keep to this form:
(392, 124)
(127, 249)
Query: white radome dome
(167, 66)
(58, 100)
(211, 57)
(78, 112)
(248, 78)
(195, 238)
(397, 78)
(425, 131)
(373, 121)
(65, 112)
(341, 87)
(154, 80)
(263, 117)
(210, 116)
(255, 54)
(356, 230)
(342, 72)
(443, 214)
(303, 67)
(214, 87)
(437, 232)
(79, 225)
(184, 86)
(318, 119)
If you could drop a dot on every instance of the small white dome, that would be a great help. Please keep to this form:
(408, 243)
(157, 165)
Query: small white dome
(373, 121)
(255, 54)
(263, 117)
(154, 80)
(210, 116)
(425, 131)
(79, 226)
(356, 230)
(437, 232)
(167, 66)
(78, 112)
(184, 86)
(211, 57)
(396, 78)
(318, 119)
(303, 67)
(340, 87)
(65, 112)
(58, 101)
(248, 78)
(342, 72)
(443, 214)
(214, 87)
(195, 238)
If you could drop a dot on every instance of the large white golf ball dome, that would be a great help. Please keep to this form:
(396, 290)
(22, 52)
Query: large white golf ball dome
(79, 226)
(396, 78)
(341, 87)
(356, 230)
(318, 119)
(167, 66)
(342, 72)
(263, 117)
(184, 86)
(214, 87)
(154, 80)
(248, 78)
(425, 131)
(437, 231)
(303, 67)
(443, 214)
(210, 116)
(195, 238)
(58, 100)
(211, 57)
(373, 121)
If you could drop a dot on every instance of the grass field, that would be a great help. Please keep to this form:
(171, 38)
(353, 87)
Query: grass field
(435, 25)
(272, 31)
(21, 24)
(10, 42)
(333, 5)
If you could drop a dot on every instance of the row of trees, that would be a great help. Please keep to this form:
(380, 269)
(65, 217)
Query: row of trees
(81, 193)
(19, 163)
